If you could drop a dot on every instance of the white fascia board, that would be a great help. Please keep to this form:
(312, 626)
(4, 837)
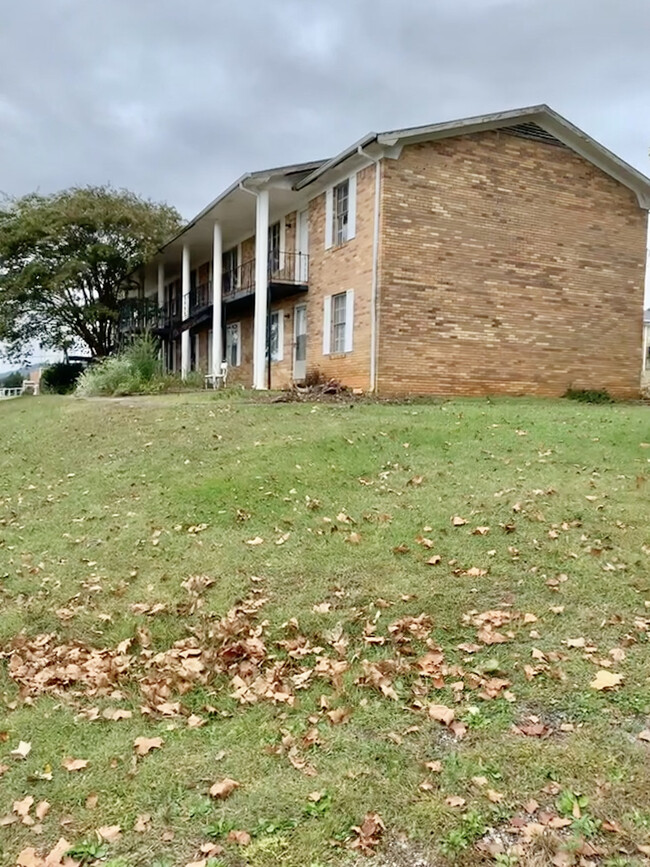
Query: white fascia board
(547, 119)
(353, 164)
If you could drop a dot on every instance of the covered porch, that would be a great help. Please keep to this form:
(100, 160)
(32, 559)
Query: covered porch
(240, 254)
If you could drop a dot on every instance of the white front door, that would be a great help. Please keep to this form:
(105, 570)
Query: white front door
(302, 247)
(299, 342)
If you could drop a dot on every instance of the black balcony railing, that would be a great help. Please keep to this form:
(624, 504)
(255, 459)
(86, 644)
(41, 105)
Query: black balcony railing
(288, 267)
(239, 280)
(139, 314)
(283, 267)
(173, 311)
(200, 297)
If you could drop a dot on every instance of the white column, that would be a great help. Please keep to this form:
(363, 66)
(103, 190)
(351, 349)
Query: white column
(261, 289)
(217, 325)
(185, 291)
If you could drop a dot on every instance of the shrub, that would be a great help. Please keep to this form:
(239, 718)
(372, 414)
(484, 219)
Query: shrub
(112, 376)
(143, 356)
(136, 369)
(589, 395)
(61, 378)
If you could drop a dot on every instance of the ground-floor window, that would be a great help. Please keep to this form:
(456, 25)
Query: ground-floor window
(276, 329)
(338, 323)
(233, 344)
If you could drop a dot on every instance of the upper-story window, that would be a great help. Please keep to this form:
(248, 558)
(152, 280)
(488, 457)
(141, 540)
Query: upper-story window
(275, 234)
(230, 273)
(340, 212)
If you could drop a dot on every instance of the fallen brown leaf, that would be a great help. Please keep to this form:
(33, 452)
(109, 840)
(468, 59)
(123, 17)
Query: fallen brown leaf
(241, 838)
(142, 823)
(42, 809)
(455, 801)
(606, 680)
(441, 713)
(339, 715)
(369, 834)
(22, 750)
(110, 833)
(74, 764)
(143, 745)
(223, 788)
(29, 858)
(22, 808)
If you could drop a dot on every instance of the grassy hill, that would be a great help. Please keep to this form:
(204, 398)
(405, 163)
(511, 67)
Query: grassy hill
(238, 632)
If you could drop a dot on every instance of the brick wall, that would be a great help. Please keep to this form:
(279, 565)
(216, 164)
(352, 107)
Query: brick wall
(337, 270)
(507, 266)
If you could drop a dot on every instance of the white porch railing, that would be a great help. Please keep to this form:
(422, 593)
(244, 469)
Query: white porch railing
(10, 392)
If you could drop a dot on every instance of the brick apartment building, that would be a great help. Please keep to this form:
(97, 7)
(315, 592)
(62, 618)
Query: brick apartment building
(502, 254)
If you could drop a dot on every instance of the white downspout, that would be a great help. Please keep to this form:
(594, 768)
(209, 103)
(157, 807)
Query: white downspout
(375, 274)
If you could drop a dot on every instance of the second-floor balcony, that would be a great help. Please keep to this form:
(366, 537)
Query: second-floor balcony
(136, 315)
(288, 272)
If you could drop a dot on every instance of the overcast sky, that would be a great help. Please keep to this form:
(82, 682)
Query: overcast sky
(176, 98)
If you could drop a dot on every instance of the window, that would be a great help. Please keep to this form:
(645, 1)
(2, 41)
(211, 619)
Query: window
(338, 323)
(230, 260)
(274, 247)
(233, 344)
(340, 212)
(276, 337)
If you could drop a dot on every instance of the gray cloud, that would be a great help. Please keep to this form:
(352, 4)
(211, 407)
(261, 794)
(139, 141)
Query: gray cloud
(176, 100)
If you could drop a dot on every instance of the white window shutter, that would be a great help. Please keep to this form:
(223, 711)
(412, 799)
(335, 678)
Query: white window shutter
(329, 217)
(352, 207)
(327, 324)
(349, 320)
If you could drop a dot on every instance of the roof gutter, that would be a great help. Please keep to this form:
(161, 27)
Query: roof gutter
(337, 160)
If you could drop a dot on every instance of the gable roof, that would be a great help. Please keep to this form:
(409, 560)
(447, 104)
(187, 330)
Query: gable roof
(556, 127)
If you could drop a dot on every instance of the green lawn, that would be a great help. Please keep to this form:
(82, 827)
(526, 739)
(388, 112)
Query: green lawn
(296, 666)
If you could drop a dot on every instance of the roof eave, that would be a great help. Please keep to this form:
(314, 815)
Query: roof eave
(335, 161)
(549, 120)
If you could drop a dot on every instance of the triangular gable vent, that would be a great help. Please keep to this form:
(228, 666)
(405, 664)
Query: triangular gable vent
(535, 132)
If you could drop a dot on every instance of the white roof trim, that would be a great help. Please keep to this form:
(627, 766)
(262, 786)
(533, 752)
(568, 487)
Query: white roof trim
(542, 115)
(552, 122)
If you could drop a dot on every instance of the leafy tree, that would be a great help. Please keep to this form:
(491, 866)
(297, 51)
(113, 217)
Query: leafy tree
(66, 260)
(12, 380)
